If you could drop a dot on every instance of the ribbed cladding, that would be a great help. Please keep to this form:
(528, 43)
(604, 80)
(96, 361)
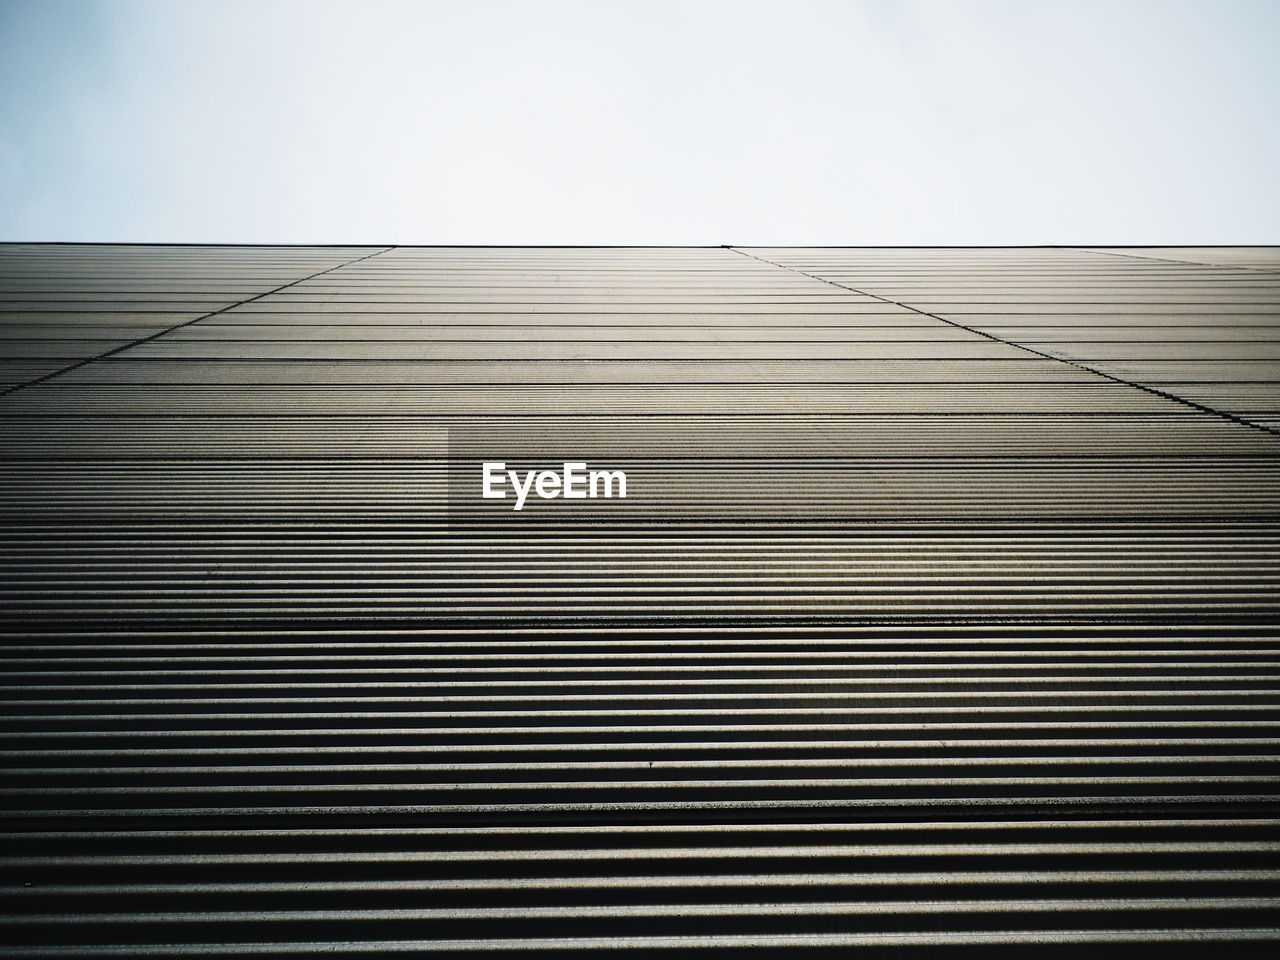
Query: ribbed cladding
(891, 648)
(63, 305)
(1201, 324)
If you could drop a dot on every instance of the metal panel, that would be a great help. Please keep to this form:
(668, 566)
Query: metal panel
(941, 611)
(1188, 295)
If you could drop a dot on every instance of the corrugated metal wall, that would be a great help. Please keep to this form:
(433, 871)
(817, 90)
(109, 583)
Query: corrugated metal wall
(941, 610)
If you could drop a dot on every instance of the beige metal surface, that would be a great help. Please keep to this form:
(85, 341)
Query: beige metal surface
(941, 610)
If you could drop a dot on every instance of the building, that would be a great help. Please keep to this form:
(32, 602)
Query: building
(940, 608)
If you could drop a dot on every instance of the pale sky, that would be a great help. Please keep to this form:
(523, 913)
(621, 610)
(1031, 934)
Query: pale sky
(842, 122)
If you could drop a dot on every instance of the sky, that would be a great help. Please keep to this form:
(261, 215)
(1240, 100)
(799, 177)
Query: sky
(840, 122)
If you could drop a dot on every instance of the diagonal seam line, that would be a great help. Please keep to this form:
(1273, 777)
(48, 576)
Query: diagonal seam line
(186, 323)
(1009, 343)
(1179, 262)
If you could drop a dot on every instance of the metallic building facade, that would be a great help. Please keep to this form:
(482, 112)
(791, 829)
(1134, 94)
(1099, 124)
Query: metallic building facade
(941, 610)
